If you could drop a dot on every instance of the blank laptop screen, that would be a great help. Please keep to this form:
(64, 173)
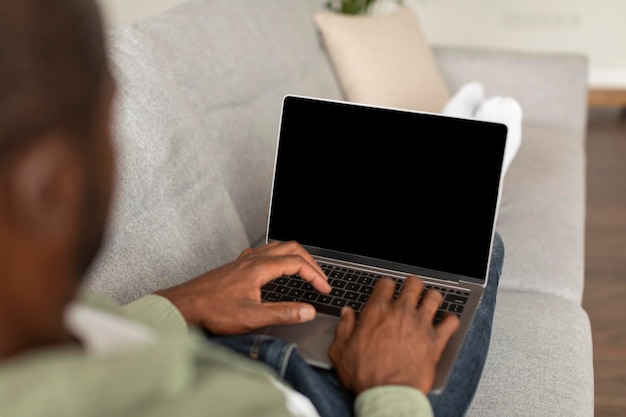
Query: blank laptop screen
(413, 189)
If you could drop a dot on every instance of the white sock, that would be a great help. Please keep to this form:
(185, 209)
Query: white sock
(504, 110)
(466, 101)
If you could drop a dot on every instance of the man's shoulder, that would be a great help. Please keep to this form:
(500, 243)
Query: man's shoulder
(173, 376)
(153, 311)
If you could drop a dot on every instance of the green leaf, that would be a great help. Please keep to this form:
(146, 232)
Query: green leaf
(352, 7)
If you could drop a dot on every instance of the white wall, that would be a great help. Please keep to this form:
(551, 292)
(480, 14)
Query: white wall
(595, 28)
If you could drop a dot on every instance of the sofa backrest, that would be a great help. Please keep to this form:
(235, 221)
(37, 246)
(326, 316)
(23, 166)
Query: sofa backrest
(196, 121)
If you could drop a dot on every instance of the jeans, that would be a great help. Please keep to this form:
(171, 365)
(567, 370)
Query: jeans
(457, 396)
(331, 399)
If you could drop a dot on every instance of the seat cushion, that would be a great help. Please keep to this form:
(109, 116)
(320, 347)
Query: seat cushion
(542, 215)
(540, 360)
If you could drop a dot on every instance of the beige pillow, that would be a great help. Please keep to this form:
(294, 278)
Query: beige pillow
(383, 60)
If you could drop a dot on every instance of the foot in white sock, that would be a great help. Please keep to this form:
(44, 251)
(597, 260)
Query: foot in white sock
(504, 110)
(466, 101)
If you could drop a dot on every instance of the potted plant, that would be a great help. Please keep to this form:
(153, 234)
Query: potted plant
(355, 7)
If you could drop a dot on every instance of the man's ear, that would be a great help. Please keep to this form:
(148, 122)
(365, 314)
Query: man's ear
(44, 186)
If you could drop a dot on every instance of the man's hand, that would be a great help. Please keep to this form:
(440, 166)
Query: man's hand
(227, 300)
(394, 342)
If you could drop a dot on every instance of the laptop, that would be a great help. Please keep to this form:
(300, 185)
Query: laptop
(376, 192)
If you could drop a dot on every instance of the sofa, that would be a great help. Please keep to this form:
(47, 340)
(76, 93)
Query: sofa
(196, 117)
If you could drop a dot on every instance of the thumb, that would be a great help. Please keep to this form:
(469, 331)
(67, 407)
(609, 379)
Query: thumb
(287, 313)
(346, 325)
(446, 329)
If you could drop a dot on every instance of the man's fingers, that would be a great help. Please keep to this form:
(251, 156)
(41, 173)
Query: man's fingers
(292, 248)
(343, 332)
(446, 328)
(283, 313)
(346, 325)
(312, 275)
(319, 282)
(297, 261)
(430, 303)
(411, 290)
(383, 290)
(271, 267)
(380, 299)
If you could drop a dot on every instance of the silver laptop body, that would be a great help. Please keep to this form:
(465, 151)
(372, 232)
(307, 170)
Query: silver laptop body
(372, 191)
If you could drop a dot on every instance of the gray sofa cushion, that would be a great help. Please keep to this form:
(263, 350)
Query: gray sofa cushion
(541, 217)
(172, 216)
(551, 88)
(542, 213)
(233, 62)
(539, 359)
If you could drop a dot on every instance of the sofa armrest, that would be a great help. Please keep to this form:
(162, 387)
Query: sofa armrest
(550, 87)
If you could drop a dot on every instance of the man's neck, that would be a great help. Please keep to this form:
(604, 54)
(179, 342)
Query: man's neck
(35, 288)
(22, 333)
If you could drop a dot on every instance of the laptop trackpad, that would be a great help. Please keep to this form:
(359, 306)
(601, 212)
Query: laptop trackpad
(313, 338)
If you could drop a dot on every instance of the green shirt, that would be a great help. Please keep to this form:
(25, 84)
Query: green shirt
(180, 374)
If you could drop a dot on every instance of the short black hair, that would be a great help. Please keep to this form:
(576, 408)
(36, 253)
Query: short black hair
(52, 68)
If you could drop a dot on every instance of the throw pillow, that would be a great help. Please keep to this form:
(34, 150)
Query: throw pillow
(383, 59)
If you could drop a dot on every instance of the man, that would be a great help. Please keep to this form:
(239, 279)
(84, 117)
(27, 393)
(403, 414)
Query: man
(69, 353)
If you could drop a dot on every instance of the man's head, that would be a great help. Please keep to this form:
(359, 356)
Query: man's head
(56, 159)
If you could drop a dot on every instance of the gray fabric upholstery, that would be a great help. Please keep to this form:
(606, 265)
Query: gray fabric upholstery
(542, 213)
(539, 362)
(233, 65)
(543, 204)
(172, 216)
(541, 356)
(196, 123)
(548, 86)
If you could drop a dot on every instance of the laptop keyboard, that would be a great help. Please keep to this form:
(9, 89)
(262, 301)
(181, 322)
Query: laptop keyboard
(352, 288)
